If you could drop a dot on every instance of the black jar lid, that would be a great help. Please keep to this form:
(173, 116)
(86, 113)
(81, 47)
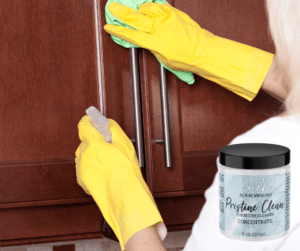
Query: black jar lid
(254, 156)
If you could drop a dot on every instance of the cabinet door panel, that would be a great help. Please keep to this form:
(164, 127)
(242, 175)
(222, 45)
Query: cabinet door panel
(32, 182)
(48, 74)
(53, 222)
(178, 211)
(204, 116)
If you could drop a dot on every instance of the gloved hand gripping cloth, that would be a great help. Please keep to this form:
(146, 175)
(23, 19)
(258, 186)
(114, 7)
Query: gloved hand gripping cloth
(135, 4)
(181, 44)
(111, 174)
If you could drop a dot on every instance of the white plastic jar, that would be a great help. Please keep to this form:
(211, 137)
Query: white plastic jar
(254, 191)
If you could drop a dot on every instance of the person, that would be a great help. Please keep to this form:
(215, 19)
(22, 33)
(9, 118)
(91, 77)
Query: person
(110, 172)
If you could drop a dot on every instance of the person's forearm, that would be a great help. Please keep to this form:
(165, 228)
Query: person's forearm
(145, 240)
(274, 83)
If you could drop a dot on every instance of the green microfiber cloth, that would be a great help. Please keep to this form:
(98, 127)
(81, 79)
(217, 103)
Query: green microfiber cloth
(135, 4)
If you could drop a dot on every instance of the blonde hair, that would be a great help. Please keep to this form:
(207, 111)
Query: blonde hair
(284, 23)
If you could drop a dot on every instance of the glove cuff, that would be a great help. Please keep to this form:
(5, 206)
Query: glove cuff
(126, 205)
(140, 219)
(237, 67)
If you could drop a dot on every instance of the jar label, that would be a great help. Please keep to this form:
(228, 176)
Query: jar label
(254, 206)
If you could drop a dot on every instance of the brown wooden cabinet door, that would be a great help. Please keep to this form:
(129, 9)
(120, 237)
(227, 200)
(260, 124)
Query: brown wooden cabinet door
(48, 77)
(204, 116)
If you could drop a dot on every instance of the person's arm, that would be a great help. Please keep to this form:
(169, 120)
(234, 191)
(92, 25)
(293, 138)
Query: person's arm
(274, 83)
(145, 240)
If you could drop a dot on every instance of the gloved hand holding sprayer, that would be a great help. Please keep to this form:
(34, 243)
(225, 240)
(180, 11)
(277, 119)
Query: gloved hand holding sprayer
(110, 172)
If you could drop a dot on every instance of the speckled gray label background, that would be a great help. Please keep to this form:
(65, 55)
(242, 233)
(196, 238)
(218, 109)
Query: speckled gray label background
(254, 206)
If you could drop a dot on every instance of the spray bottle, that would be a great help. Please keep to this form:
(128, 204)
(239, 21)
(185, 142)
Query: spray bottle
(101, 123)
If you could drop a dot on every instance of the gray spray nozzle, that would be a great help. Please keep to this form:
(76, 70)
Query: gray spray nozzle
(101, 123)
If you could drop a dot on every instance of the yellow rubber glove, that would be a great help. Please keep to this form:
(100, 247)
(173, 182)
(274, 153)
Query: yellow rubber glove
(182, 45)
(110, 173)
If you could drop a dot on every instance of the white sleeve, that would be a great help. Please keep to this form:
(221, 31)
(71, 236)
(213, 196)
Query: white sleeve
(206, 233)
(291, 241)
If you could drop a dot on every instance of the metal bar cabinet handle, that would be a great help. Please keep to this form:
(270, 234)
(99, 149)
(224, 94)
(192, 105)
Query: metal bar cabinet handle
(137, 105)
(165, 115)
